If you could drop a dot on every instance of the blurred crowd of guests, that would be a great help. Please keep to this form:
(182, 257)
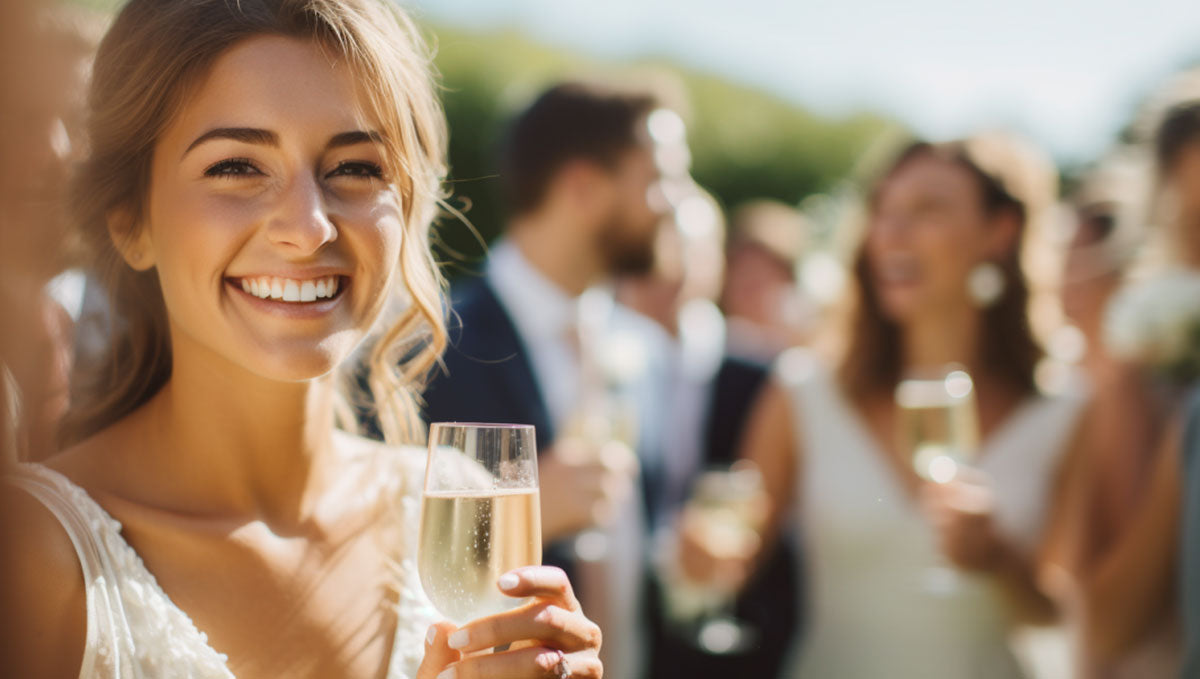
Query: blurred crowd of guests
(657, 343)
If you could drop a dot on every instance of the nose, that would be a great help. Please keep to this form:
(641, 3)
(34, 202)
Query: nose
(300, 223)
(890, 228)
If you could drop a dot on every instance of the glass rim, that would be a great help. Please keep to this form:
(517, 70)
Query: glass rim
(480, 425)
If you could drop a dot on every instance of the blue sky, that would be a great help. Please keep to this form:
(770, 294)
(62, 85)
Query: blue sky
(1065, 72)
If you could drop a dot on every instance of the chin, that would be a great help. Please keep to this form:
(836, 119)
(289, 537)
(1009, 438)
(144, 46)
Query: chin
(898, 307)
(302, 362)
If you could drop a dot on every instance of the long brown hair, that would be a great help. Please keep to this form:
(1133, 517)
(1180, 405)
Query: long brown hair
(872, 360)
(149, 62)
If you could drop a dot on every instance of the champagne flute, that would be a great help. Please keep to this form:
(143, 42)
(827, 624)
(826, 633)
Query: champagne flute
(938, 421)
(480, 516)
(939, 426)
(727, 507)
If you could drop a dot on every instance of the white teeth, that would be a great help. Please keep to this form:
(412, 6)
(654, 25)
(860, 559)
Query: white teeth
(291, 290)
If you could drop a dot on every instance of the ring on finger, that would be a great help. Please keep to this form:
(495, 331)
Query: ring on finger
(562, 669)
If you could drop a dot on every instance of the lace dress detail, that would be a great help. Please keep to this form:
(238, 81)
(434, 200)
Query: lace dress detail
(135, 631)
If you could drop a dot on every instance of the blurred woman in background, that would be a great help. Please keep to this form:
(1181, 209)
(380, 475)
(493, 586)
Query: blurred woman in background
(1132, 580)
(939, 282)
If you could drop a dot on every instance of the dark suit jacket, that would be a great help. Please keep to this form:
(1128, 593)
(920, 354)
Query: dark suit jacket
(488, 377)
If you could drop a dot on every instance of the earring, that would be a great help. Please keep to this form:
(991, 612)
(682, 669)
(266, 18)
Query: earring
(986, 284)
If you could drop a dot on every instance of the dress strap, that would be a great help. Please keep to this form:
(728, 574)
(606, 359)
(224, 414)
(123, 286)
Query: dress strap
(108, 633)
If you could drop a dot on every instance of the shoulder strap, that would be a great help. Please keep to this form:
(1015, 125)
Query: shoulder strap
(81, 519)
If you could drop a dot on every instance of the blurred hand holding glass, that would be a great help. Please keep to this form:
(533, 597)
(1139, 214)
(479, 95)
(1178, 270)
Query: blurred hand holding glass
(480, 516)
(718, 541)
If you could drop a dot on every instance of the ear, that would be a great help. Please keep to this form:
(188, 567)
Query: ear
(584, 184)
(130, 239)
(1004, 230)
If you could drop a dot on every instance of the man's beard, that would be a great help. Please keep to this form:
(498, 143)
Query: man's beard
(625, 252)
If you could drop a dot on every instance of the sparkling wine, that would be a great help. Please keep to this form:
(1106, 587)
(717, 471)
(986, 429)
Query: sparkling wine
(468, 540)
(938, 424)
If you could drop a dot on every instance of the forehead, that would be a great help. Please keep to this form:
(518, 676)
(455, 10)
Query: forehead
(1188, 161)
(928, 174)
(274, 83)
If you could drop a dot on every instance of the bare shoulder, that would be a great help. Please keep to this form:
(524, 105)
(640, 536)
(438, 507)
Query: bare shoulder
(42, 597)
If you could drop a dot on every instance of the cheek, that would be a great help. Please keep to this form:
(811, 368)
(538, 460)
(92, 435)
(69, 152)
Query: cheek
(194, 236)
(378, 237)
(948, 249)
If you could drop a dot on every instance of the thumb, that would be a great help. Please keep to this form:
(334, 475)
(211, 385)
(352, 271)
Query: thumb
(437, 653)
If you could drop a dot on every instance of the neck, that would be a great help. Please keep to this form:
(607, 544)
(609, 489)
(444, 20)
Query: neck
(937, 339)
(242, 445)
(557, 248)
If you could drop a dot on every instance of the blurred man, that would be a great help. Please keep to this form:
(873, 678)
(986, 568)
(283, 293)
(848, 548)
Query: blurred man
(709, 394)
(585, 171)
(762, 298)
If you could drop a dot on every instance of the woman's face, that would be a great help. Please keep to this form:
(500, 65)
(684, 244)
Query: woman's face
(928, 230)
(1184, 184)
(270, 220)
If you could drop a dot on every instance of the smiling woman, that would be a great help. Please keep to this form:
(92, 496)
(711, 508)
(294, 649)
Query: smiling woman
(257, 199)
(155, 58)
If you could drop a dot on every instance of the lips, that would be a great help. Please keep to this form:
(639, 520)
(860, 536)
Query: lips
(291, 289)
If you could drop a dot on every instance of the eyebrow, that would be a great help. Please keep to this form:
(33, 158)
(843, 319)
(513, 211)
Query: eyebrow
(352, 138)
(250, 135)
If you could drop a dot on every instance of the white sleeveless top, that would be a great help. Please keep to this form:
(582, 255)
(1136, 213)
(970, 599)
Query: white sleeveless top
(134, 631)
(882, 601)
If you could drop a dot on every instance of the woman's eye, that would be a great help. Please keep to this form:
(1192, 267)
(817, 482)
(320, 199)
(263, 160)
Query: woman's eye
(359, 169)
(234, 167)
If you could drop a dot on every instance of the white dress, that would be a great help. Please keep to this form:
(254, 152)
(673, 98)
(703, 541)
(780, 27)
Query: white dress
(134, 631)
(881, 601)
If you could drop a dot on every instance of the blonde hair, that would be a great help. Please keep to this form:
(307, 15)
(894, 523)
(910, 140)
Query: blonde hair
(156, 52)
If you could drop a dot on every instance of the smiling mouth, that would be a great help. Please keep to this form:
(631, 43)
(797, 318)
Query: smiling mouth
(290, 289)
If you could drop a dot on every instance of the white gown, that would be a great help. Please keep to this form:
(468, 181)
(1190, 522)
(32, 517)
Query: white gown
(881, 601)
(135, 631)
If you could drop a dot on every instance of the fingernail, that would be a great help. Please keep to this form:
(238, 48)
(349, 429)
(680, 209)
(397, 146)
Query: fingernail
(509, 581)
(446, 674)
(431, 636)
(459, 639)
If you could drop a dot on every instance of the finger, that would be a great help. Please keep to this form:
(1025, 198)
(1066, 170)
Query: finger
(619, 458)
(616, 486)
(527, 663)
(438, 653)
(601, 512)
(546, 582)
(551, 625)
(972, 499)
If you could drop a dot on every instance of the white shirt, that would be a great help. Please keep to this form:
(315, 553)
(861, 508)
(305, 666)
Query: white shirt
(696, 357)
(544, 316)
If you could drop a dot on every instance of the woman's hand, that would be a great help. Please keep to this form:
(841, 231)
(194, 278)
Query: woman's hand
(961, 513)
(723, 559)
(549, 637)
